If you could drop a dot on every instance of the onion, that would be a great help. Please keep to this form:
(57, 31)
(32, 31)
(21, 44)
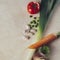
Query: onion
(39, 56)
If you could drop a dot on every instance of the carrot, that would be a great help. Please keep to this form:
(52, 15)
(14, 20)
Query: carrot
(43, 41)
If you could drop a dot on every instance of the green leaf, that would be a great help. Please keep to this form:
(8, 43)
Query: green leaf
(45, 50)
(46, 9)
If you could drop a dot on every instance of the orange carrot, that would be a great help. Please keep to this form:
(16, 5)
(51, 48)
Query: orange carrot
(43, 41)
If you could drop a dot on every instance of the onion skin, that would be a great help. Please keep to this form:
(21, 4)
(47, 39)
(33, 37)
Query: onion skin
(39, 55)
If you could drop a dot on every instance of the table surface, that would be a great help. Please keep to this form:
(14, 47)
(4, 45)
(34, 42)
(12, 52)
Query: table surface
(13, 18)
